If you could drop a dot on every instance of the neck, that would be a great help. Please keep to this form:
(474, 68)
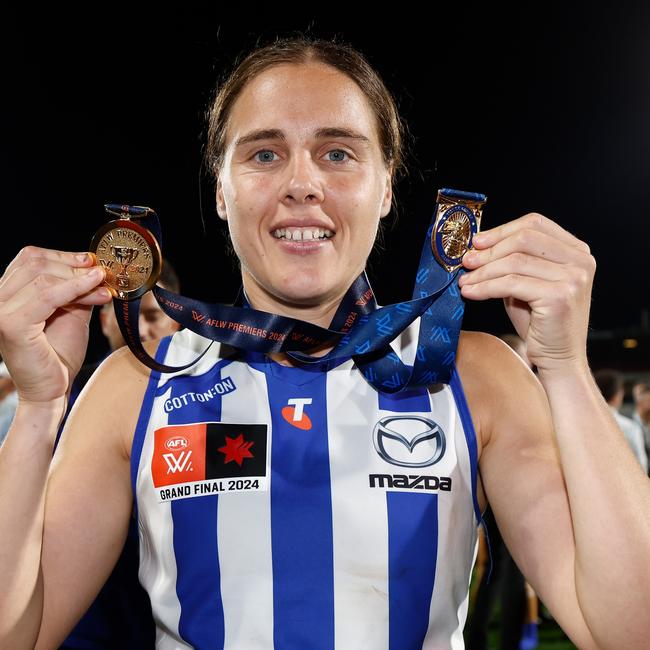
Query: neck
(319, 313)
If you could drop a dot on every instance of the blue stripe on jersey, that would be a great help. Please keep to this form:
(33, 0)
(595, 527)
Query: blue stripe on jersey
(412, 553)
(198, 583)
(301, 514)
(470, 435)
(409, 400)
(143, 419)
(412, 543)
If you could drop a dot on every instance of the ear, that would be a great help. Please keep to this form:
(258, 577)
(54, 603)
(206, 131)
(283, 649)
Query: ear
(221, 204)
(386, 203)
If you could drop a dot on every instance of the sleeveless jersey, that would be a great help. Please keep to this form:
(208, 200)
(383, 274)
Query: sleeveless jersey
(292, 508)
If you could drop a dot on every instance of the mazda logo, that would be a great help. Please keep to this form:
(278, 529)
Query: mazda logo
(410, 431)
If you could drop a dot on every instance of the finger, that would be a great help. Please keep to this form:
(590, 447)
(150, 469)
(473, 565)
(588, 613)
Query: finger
(532, 221)
(519, 287)
(63, 257)
(517, 263)
(530, 242)
(33, 266)
(37, 301)
(98, 296)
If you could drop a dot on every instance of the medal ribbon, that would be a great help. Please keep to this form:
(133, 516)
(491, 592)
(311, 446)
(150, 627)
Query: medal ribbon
(360, 329)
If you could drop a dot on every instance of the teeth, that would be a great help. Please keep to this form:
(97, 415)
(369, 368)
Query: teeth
(302, 234)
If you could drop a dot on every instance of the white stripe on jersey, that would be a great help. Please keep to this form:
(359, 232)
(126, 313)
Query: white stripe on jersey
(360, 549)
(244, 533)
(157, 560)
(455, 548)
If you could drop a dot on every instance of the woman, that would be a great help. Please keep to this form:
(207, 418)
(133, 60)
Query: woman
(304, 137)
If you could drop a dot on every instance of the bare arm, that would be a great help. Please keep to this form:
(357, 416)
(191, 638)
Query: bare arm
(72, 510)
(26, 454)
(566, 490)
(45, 303)
(89, 497)
(609, 496)
(524, 474)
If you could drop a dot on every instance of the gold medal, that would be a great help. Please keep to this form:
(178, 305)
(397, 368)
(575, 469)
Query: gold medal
(130, 255)
(458, 219)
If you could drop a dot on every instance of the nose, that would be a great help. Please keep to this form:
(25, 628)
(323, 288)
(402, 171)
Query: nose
(304, 183)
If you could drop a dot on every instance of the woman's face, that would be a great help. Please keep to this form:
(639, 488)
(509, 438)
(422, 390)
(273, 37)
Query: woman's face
(302, 160)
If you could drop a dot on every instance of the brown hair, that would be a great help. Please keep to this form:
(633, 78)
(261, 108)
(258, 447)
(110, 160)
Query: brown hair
(302, 50)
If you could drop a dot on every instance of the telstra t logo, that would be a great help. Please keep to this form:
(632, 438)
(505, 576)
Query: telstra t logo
(295, 414)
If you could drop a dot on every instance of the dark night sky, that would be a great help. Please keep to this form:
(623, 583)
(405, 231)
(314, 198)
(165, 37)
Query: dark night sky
(544, 109)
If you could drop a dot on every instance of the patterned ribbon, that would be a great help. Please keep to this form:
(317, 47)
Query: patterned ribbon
(360, 329)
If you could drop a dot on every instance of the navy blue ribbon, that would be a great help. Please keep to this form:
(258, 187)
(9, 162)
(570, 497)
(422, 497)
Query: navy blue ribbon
(360, 329)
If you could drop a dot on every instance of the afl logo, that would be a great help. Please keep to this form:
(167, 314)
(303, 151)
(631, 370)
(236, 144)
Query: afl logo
(177, 442)
(409, 440)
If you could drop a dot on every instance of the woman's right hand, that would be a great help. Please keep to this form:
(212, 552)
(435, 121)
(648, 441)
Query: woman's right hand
(46, 300)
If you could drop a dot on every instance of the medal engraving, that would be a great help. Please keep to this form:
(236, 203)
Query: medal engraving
(457, 221)
(130, 256)
(455, 234)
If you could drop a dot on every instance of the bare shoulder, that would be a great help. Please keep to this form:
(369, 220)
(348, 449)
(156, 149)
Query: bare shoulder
(112, 398)
(479, 352)
(495, 381)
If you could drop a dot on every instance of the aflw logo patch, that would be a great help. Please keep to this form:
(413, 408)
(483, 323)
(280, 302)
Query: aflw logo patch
(178, 463)
(197, 459)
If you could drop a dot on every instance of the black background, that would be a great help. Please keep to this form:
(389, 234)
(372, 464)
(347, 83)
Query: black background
(543, 108)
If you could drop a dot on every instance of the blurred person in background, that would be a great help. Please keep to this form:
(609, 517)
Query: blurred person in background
(610, 383)
(641, 394)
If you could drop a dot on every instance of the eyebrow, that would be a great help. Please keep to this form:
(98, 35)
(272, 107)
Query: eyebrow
(278, 134)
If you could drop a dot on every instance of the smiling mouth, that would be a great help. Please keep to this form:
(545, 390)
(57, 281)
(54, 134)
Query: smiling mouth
(308, 234)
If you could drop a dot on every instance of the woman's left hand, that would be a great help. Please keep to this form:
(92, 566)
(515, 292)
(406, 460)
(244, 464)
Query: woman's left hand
(544, 275)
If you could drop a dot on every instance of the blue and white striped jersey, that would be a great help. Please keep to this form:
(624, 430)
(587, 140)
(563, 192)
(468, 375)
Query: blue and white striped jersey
(298, 508)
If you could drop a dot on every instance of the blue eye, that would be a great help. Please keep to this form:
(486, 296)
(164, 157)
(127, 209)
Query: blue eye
(338, 151)
(268, 155)
(267, 152)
